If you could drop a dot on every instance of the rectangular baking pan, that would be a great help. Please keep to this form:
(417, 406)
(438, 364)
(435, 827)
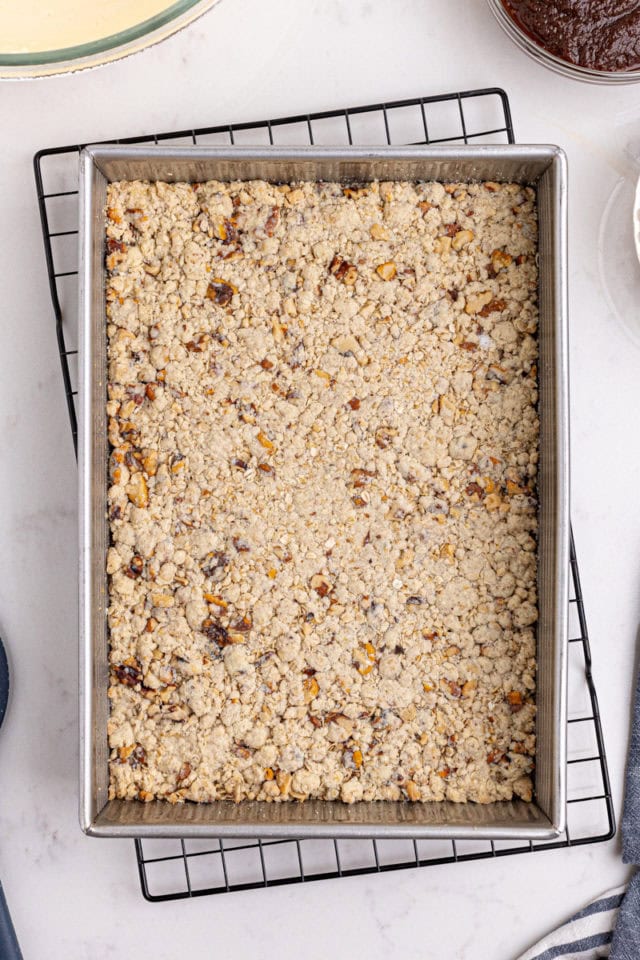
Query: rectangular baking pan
(541, 166)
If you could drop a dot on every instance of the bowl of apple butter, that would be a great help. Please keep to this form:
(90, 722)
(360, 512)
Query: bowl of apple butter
(593, 40)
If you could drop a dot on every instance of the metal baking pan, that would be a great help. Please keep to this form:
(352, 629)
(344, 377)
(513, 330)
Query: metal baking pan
(542, 166)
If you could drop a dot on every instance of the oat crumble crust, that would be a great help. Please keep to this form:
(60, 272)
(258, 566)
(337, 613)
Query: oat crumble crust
(324, 444)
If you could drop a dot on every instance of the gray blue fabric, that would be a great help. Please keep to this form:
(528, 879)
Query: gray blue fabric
(626, 936)
(631, 814)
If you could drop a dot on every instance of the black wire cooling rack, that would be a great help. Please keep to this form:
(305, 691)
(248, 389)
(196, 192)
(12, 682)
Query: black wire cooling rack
(177, 869)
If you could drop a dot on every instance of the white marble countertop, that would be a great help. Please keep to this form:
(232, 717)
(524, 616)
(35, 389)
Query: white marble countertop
(74, 897)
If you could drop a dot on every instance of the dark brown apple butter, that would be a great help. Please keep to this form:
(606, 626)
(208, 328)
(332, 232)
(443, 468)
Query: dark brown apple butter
(599, 34)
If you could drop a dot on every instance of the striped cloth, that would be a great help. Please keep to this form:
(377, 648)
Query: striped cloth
(587, 935)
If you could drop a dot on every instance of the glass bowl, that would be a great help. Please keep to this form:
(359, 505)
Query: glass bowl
(123, 33)
(564, 67)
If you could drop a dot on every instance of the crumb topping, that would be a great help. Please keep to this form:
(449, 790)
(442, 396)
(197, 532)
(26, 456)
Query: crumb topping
(322, 408)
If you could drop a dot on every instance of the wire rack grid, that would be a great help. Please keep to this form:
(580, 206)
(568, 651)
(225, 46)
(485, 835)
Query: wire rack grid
(177, 869)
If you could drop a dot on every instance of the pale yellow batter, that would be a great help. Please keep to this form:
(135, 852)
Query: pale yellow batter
(34, 26)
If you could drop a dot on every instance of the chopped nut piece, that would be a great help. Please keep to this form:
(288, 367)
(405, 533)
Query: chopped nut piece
(137, 490)
(385, 436)
(135, 568)
(500, 260)
(378, 232)
(451, 687)
(469, 688)
(514, 488)
(278, 330)
(360, 477)
(387, 271)
(461, 239)
(220, 291)
(477, 301)
(150, 463)
(216, 601)
(284, 782)
(494, 306)
(129, 673)
(241, 545)
(282, 554)
(320, 584)
(413, 790)
(214, 563)
(213, 630)
(311, 689)
(272, 221)
(515, 701)
(496, 372)
(346, 272)
(265, 442)
(354, 193)
(443, 246)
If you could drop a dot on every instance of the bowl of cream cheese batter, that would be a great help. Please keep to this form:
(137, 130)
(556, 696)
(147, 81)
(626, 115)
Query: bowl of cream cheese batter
(43, 37)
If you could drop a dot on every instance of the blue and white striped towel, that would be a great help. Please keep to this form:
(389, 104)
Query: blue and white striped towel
(587, 935)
